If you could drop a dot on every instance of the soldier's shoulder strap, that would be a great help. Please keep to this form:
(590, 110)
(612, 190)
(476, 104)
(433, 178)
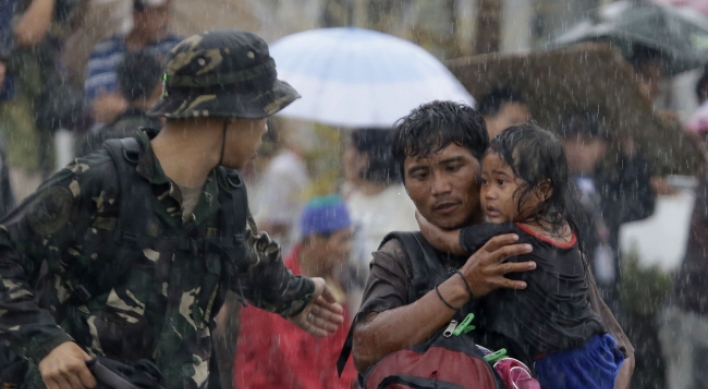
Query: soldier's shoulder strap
(125, 153)
(134, 199)
(135, 191)
(233, 218)
(234, 201)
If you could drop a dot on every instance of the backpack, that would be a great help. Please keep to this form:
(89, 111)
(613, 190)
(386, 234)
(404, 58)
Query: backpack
(135, 201)
(444, 361)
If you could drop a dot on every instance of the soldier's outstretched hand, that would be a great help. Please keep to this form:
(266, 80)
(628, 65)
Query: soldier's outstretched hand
(65, 368)
(323, 315)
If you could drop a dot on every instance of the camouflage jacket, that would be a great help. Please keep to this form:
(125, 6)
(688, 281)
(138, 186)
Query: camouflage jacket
(58, 239)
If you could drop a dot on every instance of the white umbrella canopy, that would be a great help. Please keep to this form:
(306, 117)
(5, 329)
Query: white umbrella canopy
(352, 77)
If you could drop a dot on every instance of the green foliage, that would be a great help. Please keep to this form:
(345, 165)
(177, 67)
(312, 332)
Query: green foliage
(643, 290)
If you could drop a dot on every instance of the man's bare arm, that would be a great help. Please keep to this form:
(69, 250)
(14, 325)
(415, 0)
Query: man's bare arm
(380, 334)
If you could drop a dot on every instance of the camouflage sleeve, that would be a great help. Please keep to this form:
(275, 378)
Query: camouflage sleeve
(38, 231)
(268, 284)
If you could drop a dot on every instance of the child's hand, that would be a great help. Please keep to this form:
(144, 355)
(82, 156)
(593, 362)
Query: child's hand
(445, 241)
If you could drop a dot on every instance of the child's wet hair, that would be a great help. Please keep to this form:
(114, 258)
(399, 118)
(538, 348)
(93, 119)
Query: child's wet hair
(536, 156)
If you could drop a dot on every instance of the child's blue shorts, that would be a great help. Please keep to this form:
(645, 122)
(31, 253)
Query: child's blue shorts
(593, 366)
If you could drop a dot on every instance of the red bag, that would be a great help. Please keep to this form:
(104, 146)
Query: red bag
(443, 362)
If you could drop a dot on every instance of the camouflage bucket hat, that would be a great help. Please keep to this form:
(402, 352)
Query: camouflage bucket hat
(225, 73)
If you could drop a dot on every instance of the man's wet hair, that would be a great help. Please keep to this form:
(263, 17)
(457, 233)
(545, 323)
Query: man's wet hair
(436, 125)
(376, 144)
(578, 121)
(138, 75)
(492, 102)
(536, 156)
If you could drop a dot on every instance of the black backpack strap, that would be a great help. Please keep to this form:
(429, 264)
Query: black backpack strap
(232, 224)
(416, 382)
(109, 373)
(134, 198)
(424, 262)
(133, 201)
(108, 377)
(236, 205)
(346, 350)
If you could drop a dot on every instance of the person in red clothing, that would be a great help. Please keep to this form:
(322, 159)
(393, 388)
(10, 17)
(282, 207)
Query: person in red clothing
(274, 353)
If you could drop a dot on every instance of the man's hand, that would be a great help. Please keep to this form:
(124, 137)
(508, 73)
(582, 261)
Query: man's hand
(485, 269)
(323, 315)
(108, 106)
(65, 368)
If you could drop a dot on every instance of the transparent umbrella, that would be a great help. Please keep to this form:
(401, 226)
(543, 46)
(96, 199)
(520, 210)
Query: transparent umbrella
(680, 34)
(354, 77)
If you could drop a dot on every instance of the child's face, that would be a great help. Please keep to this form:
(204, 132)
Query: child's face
(500, 192)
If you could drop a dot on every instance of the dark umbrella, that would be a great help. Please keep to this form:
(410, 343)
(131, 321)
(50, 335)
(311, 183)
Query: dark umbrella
(679, 34)
(593, 77)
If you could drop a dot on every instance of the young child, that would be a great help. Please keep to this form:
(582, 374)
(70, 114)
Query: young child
(525, 189)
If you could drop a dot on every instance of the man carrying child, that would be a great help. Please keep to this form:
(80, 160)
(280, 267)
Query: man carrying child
(439, 147)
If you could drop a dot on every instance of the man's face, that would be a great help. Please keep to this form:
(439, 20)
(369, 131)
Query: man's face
(583, 153)
(339, 247)
(354, 163)
(444, 186)
(153, 22)
(333, 251)
(509, 115)
(243, 138)
(650, 74)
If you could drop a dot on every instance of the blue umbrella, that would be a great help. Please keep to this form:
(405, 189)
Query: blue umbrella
(353, 77)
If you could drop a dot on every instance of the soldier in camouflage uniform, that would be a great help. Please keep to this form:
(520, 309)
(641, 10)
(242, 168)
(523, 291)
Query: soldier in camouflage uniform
(76, 281)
